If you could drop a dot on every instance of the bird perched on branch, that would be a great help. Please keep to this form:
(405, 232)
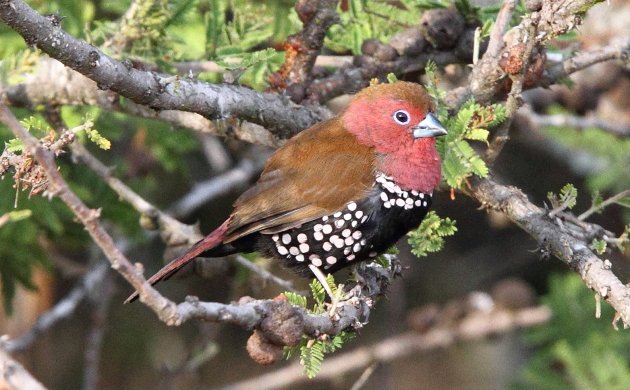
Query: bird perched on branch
(340, 192)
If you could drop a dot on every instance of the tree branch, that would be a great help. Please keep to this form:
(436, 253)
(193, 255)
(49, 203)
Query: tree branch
(553, 239)
(302, 48)
(13, 376)
(156, 91)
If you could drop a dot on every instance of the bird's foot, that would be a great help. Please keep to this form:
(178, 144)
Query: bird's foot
(335, 297)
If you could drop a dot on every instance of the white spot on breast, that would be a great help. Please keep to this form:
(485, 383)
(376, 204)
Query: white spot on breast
(400, 202)
(409, 201)
(358, 214)
(275, 237)
(356, 247)
(387, 205)
(329, 260)
(327, 229)
(338, 242)
(299, 258)
(318, 236)
(352, 206)
(350, 257)
(347, 250)
(349, 241)
(357, 234)
(327, 246)
(302, 237)
(318, 227)
(317, 262)
(337, 214)
(282, 250)
(346, 232)
(286, 239)
(347, 216)
(373, 254)
(384, 197)
(354, 223)
(418, 203)
(294, 251)
(364, 219)
(304, 248)
(339, 223)
(424, 204)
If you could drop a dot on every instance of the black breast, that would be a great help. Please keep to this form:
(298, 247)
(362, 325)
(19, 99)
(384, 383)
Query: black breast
(361, 230)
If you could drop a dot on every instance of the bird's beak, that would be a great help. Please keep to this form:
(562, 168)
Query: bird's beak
(430, 126)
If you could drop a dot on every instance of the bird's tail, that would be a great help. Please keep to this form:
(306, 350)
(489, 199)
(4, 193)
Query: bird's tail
(211, 241)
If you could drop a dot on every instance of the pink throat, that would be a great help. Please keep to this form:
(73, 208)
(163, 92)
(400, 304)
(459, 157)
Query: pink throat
(415, 167)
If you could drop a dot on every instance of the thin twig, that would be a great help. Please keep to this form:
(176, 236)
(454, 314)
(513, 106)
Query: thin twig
(365, 376)
(514, 101)
(264, 274)
(205, 191)
(62, 310)
(595, 208)
(501, 25)
(576, 122)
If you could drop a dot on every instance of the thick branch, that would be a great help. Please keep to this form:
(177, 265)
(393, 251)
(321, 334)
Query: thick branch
(53, 84)
(159, 92)
(553, 239)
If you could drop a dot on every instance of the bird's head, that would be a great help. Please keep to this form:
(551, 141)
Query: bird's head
(390, 117)
(397, 120)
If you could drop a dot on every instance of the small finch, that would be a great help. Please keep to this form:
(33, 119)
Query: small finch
(340, 192)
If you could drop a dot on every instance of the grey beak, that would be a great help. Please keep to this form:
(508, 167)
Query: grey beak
(430, 126)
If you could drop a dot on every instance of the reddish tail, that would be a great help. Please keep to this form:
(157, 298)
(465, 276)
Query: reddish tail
(211, 241)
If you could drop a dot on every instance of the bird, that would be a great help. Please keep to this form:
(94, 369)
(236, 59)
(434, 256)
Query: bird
(340, 192)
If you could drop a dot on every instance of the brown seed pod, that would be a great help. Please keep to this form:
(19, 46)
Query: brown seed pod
(442, 27)
(261, 350)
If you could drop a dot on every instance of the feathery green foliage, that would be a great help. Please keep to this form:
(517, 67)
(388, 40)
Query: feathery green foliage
(471, 123)
(429, 236)
(567, 199)
(311, 350)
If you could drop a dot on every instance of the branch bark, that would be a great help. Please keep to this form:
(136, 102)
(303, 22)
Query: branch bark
(159, 92)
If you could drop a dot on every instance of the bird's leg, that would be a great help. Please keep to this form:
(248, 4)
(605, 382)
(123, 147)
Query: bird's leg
(334, 299)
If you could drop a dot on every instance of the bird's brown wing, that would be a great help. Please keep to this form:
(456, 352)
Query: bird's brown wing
(314, 174)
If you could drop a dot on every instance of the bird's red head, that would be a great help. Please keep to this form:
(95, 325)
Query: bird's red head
(396, 120)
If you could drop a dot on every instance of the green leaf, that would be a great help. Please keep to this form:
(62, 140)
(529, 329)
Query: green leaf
(98, 139)
(14, 145)
(295, 299)
(599, 246)
(429, 236)
(391, 78)
(566, 199)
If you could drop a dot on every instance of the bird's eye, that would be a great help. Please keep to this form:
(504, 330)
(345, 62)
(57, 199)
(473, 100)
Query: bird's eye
(401, 117)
